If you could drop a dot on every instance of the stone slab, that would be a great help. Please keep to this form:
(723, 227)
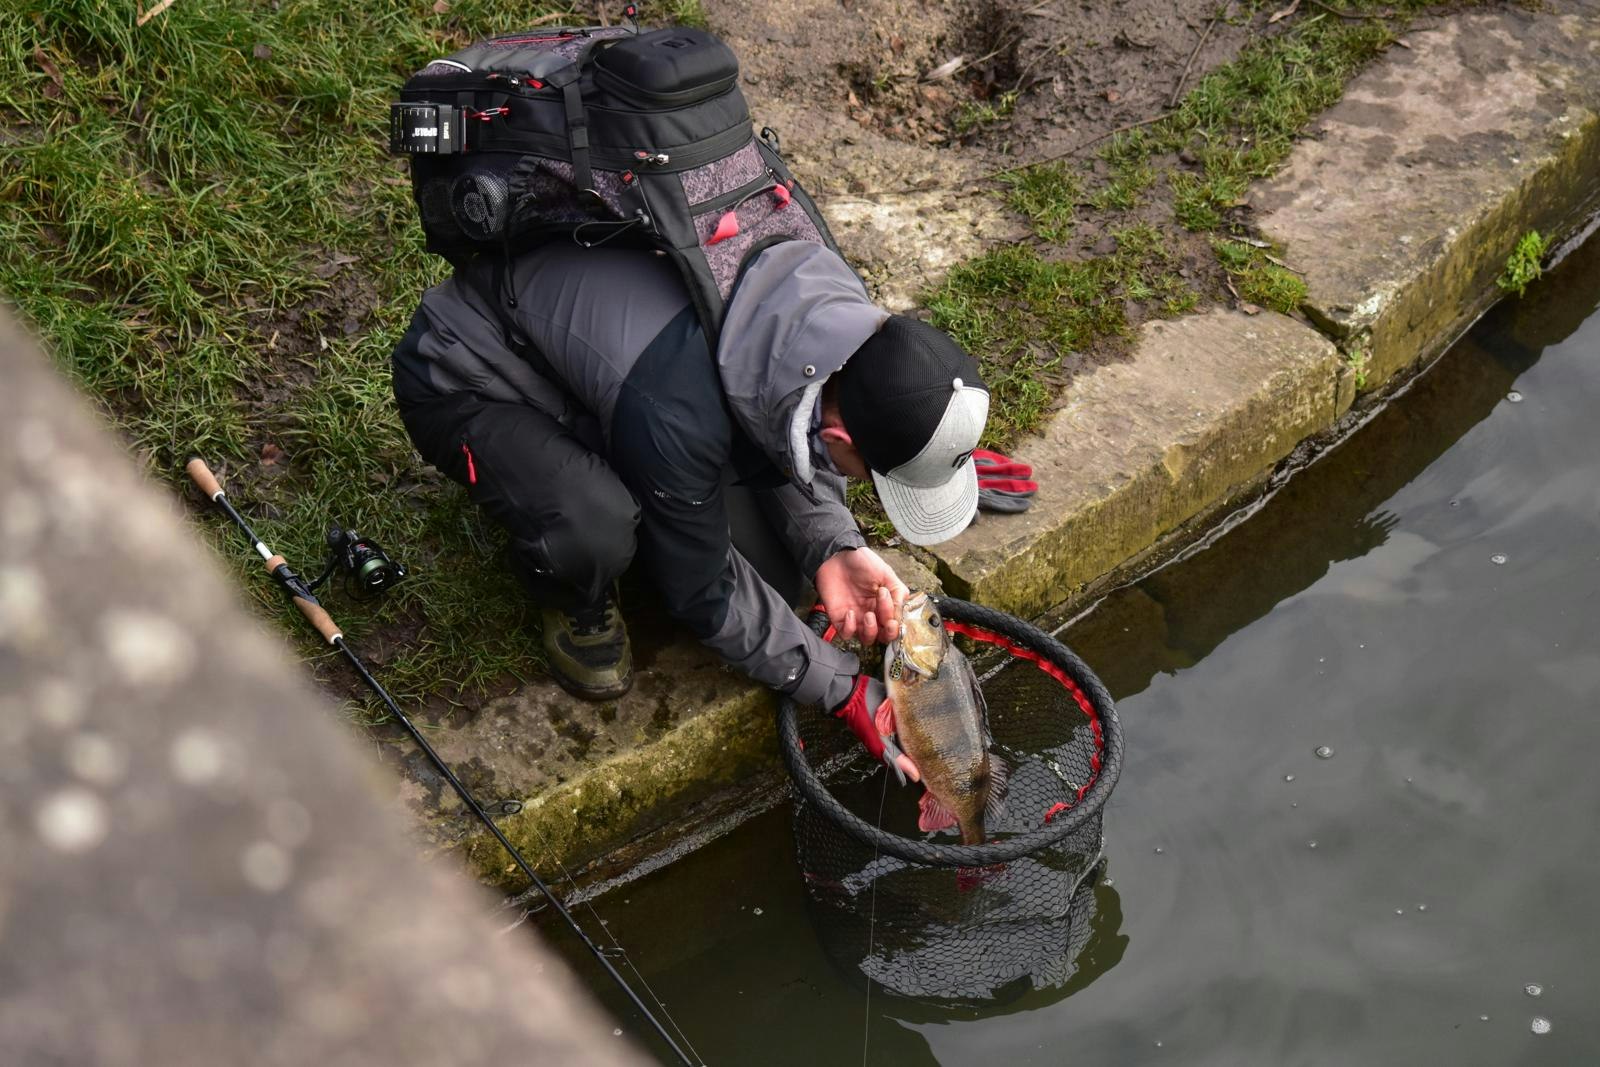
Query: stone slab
(1405, 200)
(1207, 403)
(592, 777)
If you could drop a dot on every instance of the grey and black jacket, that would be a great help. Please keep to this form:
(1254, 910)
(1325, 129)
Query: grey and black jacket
(611, 336)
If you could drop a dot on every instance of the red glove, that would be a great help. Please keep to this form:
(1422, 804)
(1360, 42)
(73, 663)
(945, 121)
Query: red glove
(868, 712)
(1004, 485)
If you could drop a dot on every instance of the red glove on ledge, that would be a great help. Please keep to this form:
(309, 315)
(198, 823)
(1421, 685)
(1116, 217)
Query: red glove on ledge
(1004, 485)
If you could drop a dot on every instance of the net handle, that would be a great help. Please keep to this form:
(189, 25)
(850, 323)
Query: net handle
(1026, 641)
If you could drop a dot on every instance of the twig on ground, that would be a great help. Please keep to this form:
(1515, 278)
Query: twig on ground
(1284, 13)
(1177, 90)
(1244, 305)
(1378, 16)
(1270, 258)
(945, 70)
(153, 12)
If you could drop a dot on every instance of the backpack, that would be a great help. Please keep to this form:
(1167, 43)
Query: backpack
(599, 134)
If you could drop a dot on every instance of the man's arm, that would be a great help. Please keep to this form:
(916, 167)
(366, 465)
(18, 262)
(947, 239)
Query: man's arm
(813, 530)
(671, 439)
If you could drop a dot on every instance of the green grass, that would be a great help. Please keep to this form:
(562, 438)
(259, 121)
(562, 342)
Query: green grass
(1525, 263)
(1240, 120)
(1259, 280)
(677, 13)
(168, 194)
(976, 113)
(1122, 190)
(1357, 359)
(1020, 312)
(1236, 124)
(1048, 196)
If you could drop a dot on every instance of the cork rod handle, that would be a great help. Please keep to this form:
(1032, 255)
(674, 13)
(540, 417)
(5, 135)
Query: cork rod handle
(204, 478)
(315, 614)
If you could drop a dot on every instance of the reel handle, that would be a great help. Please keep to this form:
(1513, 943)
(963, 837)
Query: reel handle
(315, 614)
(202, 476)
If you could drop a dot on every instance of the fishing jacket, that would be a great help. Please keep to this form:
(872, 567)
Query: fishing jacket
(611, 336)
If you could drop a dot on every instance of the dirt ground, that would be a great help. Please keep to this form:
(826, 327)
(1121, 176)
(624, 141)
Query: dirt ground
(891, 149)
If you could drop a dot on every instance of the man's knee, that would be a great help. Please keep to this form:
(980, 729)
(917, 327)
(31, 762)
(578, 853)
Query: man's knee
(584, 545)
(598, 522)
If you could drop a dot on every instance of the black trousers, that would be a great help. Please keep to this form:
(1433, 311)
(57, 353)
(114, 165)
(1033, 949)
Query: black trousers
(570, 519)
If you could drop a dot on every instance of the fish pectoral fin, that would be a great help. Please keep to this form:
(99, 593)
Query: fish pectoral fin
(883, 719)
(999, 779)
(932, 815)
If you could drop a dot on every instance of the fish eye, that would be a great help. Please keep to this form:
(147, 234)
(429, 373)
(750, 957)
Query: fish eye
(935, 620)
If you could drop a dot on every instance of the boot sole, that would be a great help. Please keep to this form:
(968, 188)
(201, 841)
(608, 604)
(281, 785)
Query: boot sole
(598, 694)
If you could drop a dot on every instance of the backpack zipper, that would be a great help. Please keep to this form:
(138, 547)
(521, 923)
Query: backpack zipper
(551, 35)
(735, 197)
(684, 157)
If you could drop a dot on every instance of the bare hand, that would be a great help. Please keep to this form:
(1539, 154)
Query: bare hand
(862, 595)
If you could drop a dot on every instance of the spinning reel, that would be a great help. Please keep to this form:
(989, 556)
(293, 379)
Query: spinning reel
(368, 570)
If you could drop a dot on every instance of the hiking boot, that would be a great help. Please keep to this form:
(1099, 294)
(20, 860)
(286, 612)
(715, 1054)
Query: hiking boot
(588, 650)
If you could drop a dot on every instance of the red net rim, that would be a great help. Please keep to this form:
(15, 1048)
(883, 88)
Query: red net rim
(1024, 641)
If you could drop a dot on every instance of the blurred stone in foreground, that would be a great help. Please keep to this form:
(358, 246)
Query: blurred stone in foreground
(194, 867)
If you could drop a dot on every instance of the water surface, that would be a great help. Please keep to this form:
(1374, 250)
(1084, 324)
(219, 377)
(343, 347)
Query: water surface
(1422, 601)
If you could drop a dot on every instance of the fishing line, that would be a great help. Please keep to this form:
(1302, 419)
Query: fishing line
(617, 945)
(872, 922)
(308, 604)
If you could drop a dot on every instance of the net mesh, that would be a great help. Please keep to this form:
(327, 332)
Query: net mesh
(922, 915)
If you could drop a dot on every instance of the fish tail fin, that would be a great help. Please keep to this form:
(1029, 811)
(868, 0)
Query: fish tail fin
(932, 815)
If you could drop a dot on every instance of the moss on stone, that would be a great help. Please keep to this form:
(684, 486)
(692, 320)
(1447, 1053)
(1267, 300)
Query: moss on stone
(607, 804)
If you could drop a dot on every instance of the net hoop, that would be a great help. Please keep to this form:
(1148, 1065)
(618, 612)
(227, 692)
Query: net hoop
(1024, 641)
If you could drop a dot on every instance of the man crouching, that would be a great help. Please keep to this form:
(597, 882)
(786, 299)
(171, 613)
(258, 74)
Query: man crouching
(578, 401)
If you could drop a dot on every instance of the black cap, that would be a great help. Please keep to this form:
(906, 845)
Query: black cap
(914, 405)
(894, 391)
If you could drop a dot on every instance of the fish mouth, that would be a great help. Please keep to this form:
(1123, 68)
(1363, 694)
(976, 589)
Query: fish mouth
(897, 658)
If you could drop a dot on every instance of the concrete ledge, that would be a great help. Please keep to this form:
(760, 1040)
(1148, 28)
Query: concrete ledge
(690, 743)
(1207, 403)
(1415, 187)
(590, 777)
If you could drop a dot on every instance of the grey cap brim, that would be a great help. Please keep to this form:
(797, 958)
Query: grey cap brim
(927, 516)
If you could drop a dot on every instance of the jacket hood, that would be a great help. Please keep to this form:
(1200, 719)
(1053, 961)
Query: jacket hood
(797, 314)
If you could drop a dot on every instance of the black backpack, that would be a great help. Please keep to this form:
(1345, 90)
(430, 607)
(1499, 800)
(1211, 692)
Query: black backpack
(600, 134)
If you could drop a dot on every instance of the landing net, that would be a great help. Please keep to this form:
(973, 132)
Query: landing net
(922, 914)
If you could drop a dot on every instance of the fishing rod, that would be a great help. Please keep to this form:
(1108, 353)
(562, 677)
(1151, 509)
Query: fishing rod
(300, 592)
